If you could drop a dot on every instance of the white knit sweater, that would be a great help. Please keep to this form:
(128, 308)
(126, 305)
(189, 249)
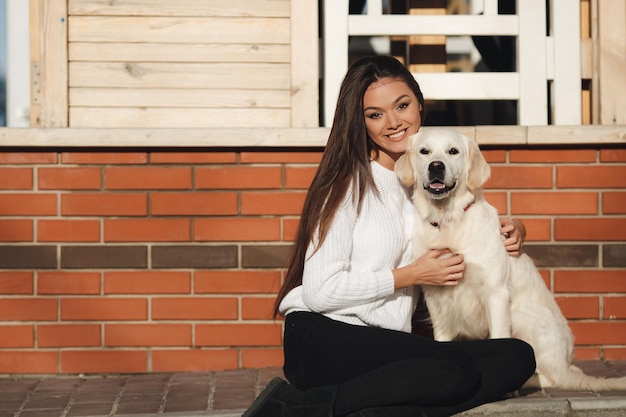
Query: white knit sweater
(349, 277)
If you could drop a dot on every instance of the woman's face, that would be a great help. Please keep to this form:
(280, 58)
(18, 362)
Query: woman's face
(392, 114)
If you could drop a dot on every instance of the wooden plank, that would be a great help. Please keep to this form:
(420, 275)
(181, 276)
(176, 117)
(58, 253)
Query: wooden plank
(397, 25)
(179, 75)
(167, 52)
(191, 8)
(335, 53)
(612, 65)
(34, 24)
(469, 86)
(176, 30)
(532, 67)
(499, 135)
(304, 64)
(161, 97)
(568, 135)
(283, 137)
(50, 46)
(567, 77)
(123, 117)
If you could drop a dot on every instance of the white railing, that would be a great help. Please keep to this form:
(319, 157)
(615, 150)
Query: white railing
(540, 58)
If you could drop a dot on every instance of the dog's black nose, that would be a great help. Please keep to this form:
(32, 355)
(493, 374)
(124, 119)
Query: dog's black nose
(436, 167)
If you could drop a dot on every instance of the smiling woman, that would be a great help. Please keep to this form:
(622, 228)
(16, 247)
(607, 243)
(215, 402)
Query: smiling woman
(392, 114)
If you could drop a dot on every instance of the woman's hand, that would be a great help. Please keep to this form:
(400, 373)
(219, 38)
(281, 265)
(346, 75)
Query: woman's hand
(435, 267)
(514, 234)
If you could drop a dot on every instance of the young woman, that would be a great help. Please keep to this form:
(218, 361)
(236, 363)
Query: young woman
(351, 285)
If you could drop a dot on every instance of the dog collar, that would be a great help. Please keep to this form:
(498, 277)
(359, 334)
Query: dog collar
(436, 224)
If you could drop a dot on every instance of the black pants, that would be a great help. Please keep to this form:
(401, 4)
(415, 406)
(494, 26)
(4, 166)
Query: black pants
(375, 367)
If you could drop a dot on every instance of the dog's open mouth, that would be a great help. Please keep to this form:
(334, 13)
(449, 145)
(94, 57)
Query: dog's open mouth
(438, 187)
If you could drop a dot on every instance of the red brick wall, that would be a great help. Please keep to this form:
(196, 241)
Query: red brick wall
(137, 261)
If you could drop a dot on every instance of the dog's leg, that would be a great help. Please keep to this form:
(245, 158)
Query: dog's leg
(499, 314)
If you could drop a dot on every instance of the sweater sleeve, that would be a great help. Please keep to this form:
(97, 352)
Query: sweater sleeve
(329, 281)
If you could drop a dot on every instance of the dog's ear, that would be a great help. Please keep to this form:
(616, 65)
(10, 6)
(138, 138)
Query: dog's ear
(479, 170)
(404, 168)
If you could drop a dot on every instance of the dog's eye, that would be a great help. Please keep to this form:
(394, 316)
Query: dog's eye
(453, 151)
(424, 151)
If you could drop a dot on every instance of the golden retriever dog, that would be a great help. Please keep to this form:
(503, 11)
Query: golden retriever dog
(500, 295)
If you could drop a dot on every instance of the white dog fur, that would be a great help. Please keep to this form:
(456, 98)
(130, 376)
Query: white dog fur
(500, 295)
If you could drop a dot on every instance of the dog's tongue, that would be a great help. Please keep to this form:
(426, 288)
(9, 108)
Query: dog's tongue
(437, 185)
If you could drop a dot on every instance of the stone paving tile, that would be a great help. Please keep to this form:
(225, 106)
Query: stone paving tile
(197, 393)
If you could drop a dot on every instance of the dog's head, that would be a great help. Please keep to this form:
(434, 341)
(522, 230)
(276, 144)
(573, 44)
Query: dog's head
(442, 160)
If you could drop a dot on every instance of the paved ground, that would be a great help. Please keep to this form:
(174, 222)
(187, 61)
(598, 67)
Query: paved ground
(228, 393)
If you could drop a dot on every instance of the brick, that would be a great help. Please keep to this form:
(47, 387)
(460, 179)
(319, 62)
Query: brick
(17, 336)
(299, 177)
(494, 155)
(599, 333)
(28, 362)
(69, 178)
(105, 157)
(586, 353)
(262, 358)
(112, 309)
(563, 255)
(194, 360)
(554, 203)
(147, 178)
(537, 229)
(236, 282)
(265, 256)
(614, 202)
(238, 177)
(309, 157)
(238, 334)
(520, 177)
(147, 282)
(613, 155)
(194, 308)
(114, 361)
(276, 203)
(68, 231)
(28, 309)
(16, 179)
(585, 176)
(499, 201)
(579, 307)
(28, 257)
(39, 204)
(544, 156)
(236, 229)
(16, 230)
(585, 229)
(615, 307)
(64, 282)
(614, 354)
(589, 281)
(116, 335)
(104, 257)
(104, 204)
(255, 308)
(193, 204)
(68, 335)
(147, 230)
(290, 228)
(194, 256)
(16, 283)
(614, 256)
(27, 158)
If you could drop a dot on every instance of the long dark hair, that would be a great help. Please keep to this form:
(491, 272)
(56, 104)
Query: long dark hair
(345, 161)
